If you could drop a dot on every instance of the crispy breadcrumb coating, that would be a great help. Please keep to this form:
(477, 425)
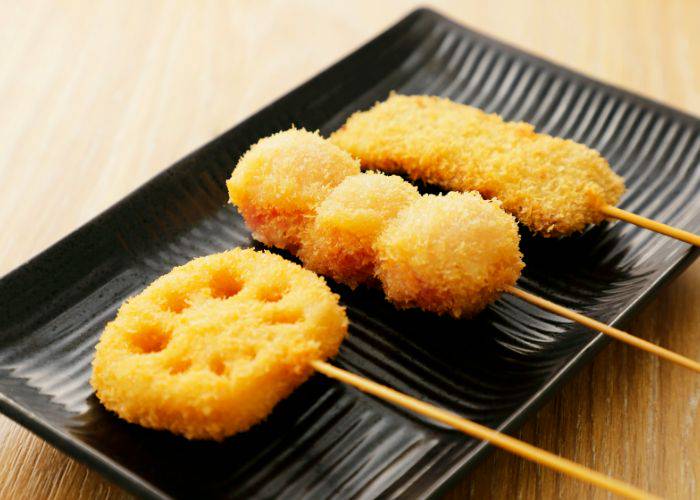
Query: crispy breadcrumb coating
(553, 186)
(279, 182)
(449, 254)
(446, 254)
(210, 348)
(340, 241)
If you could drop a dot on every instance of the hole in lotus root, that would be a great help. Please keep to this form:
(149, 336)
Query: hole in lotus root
(224, 284)
(217, 366)
(150, 339)
(285, 316)
(180, 366)
(249, 353)
(270, 294)
(176, 303)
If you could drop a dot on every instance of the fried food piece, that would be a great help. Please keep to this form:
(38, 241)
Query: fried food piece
(279, 182)
(449, 254)
(210, 348)
(446, 254)
(553, 186)
(340, 241)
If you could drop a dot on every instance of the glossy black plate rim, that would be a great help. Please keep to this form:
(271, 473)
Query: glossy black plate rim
(133, 483)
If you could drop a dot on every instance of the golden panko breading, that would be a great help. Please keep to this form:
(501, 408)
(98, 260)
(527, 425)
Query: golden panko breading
(210, 348)
(279, 182)
(449, 254)
(553, 186)
(339, 242)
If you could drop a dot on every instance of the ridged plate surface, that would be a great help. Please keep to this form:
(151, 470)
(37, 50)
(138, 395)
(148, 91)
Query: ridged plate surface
(327, 439)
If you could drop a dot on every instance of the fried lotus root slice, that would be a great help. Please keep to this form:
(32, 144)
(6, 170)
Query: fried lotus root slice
(280, 181)
(552, 185)
(449, 254)
(210, 348)
(340, 242)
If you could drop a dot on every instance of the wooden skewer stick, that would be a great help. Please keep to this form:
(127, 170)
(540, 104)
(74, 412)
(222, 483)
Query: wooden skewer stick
(479, 431)
(652, 225)
(606, 329)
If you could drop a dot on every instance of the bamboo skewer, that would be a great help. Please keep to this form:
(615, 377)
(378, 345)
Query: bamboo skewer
(652, 225)
(606, 329)
(479, 431)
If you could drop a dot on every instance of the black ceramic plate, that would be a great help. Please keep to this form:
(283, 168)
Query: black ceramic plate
(327, 439)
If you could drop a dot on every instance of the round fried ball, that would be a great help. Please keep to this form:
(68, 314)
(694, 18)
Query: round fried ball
(210, 348)
(339, 243)
(279, 182)
(449, 254)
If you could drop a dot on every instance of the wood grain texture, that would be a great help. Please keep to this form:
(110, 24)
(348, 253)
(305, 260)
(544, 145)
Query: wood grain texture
(99, 96)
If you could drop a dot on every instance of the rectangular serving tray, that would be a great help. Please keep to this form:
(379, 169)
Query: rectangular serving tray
(327, 439)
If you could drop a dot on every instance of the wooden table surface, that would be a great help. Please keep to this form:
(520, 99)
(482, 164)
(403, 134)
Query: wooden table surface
(99, 96)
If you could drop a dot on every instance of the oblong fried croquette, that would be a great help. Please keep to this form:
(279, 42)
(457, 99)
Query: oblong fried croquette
(553, 186)
(210, 348)
(449, 254)
(279, 182)
(339, 242)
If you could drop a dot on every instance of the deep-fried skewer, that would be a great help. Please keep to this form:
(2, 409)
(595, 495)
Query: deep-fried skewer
(555, 187)
(446, 254)
(210, 348)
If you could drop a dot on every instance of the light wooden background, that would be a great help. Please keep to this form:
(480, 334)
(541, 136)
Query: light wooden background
(96, 97)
